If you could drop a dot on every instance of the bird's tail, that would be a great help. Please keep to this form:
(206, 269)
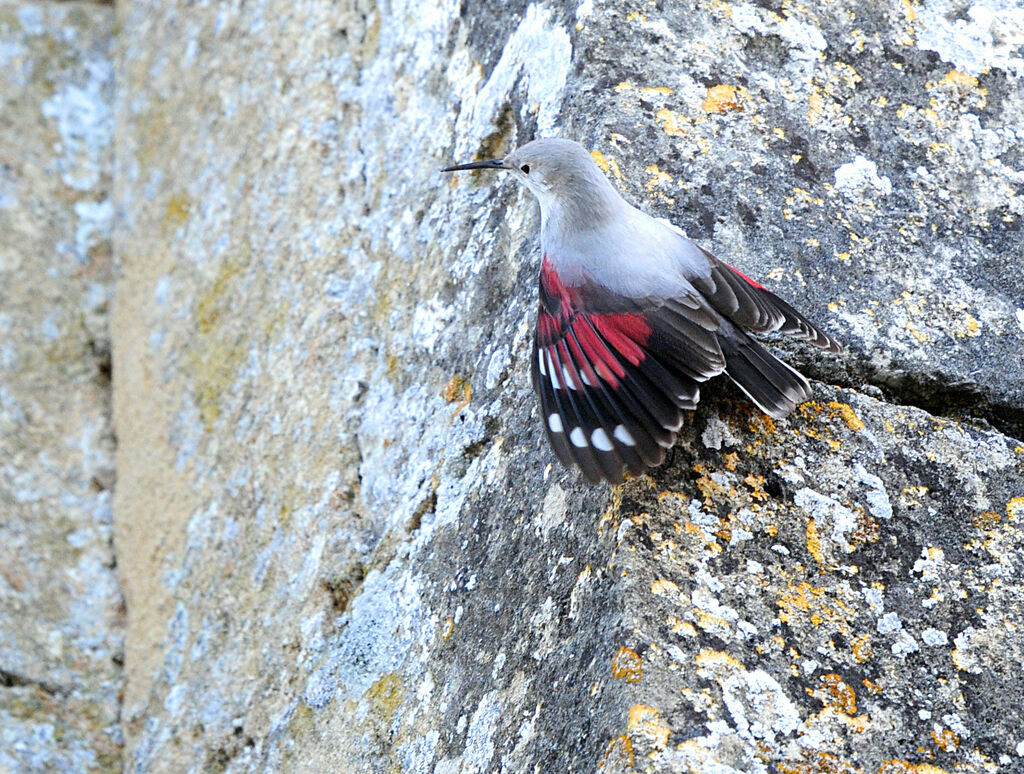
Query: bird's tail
(775, 387)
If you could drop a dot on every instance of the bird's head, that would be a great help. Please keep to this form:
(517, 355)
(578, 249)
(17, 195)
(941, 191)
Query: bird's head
(560, 173)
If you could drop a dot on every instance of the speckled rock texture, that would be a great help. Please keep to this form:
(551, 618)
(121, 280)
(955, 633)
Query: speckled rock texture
(343, 542)
(61, 619)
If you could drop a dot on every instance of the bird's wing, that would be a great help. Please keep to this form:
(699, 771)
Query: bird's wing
(743, 301)
(613, 373)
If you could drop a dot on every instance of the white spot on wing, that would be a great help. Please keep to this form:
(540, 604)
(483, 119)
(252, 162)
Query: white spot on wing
(583, 376)
(567, 378)
(552, 373)
(578, 438)
(601, 440)
(624, 436)
(555, 423)
(540, 362)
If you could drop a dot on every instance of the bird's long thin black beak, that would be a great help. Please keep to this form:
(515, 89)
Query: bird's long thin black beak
(491, 164)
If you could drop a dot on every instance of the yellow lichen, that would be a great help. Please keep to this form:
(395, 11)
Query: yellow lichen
(657, 177)
(986, 520)
(848, 416)
(386, 696)
(627, 664)
(717, 662)
(842, 696)
(1015, 509)
(178, 208)
(618, 756)
(872, 687)
(664, 586)
(947, 741)
(651, 90)
(961, 80)
(814, 542)
(807, 599)
(458, 389)
(904, 767)
(861, 647)
(721, 99)
(672, 123)
(646, 721)
(607, 165)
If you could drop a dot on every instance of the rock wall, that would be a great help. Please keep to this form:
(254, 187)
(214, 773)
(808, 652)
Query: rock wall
(61, 616)
(342, 541)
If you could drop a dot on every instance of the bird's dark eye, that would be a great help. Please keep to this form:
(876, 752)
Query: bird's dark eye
(525, 168)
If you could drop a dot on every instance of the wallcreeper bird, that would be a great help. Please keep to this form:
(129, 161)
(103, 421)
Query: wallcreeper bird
(633, 317)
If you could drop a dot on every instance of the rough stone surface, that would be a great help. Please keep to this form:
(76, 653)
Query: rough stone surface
(342, 540)
(61, 622)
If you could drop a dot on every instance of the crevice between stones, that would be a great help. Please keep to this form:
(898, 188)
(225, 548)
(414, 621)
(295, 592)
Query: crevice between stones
(933, 392)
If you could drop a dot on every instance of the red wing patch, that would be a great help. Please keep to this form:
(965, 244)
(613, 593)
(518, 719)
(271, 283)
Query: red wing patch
(609, 405)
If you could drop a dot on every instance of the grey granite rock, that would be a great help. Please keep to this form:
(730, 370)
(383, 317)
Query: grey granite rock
(343, 541)
(61, 617)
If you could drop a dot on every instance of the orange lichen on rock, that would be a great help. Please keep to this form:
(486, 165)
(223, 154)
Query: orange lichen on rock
(986, 520)
(762, 424)
(961, 80)
(627, 663)
(458, 389)
(947, 741)
(872, 687)
(673, 123)
(757, 484)
(904, 767)
(805, 598)
(862, 650)
(646, 721)
(608, 166)
(843, 697)
(721, 99)
(814, 542)
(835, 410)
(618, 756)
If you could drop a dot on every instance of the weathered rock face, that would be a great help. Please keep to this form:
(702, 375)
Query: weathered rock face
(341, 537)
(61, 625)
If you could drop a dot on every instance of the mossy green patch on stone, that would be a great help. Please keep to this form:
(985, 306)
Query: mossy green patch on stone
(212, 303)
(176, 212)
(219, 347)
(386, 696)
(214, 367)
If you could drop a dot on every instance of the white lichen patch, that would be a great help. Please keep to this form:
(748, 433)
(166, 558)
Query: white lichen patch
(553, 511)
(758, 706)
(85, 125)
(934, 638)
(428, 320)
(826, 511)
(380, 631)
(540, 51)
(95, 226)
(889, 623)
(853, 177)
(989, 36)
(805, 40)
(480, 737)
(878, 499)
